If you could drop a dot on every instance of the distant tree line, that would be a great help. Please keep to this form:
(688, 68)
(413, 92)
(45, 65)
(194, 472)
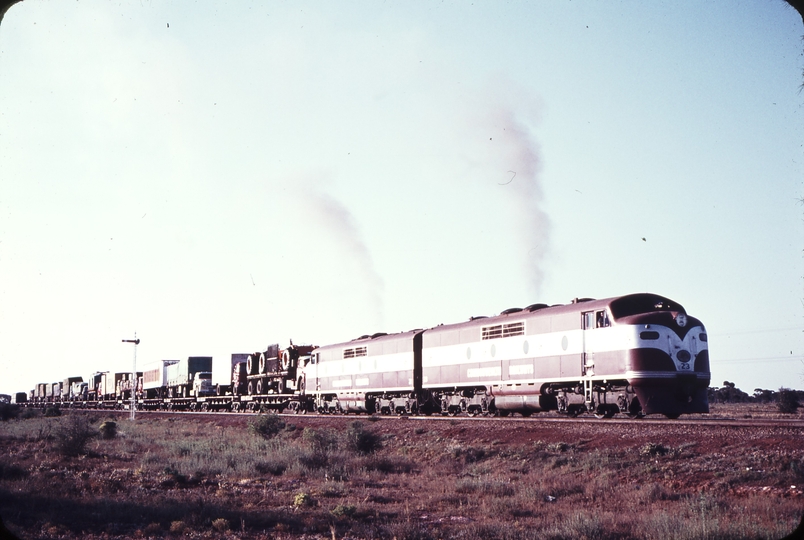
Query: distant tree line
(788, 401)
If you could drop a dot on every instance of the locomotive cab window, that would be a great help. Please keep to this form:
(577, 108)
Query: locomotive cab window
(594, 319)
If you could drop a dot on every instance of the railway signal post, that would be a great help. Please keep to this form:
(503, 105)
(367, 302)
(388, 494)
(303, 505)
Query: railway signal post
(136, 342)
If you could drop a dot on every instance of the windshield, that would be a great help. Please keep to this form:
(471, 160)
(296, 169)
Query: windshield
(642, 303)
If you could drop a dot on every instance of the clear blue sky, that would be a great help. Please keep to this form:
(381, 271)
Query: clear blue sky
(218, 177)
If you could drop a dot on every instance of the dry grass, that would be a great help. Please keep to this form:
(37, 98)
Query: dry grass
(172, 477)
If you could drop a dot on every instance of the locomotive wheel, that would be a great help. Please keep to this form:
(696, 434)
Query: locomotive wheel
(526, 414)
(250, 388)
(673, 416)
(605, 410)
(635, 409)
(260, 386)
(574, 409)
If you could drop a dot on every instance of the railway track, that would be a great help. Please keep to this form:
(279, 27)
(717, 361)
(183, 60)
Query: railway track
(542, 419)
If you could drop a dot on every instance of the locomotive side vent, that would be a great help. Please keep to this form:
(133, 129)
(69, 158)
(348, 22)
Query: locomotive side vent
(352, 353)
(503, 330)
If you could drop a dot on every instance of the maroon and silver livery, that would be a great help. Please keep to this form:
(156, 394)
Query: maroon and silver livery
(637, 354)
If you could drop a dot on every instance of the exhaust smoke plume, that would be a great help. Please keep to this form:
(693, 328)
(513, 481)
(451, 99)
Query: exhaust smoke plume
(513, 162)
(342, 227)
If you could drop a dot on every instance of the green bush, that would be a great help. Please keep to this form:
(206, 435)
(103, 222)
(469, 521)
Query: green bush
(266, 426)
(361, 441)
(74, 435)
(303, 499)
(108, 429)
(344, 510)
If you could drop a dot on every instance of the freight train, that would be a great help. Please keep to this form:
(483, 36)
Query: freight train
(637, 354)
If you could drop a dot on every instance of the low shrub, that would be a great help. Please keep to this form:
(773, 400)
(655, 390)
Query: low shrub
(320, 440)
(220, 525)
(558, 447)
(653, 450)
(108, 429)
(51, 412)
(29, 412)
(359, 440)
(388, 465)
(178, 527)
(344, 510)
(74, 435)
(266, 426)
(275, 468)
(9, 411)
(469, 454)
(313, 460)
(303, 499)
